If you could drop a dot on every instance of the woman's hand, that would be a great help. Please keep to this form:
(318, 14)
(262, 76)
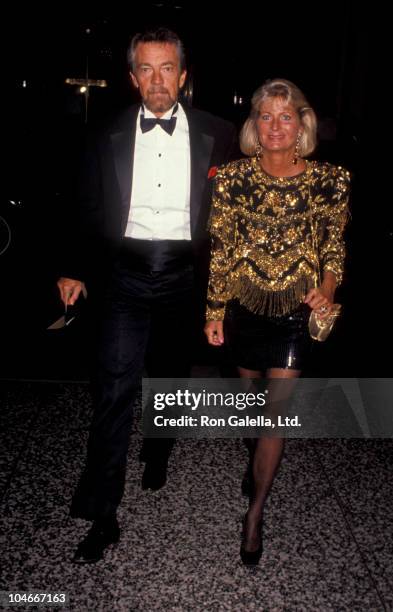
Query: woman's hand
(214, 333)
(320, 299)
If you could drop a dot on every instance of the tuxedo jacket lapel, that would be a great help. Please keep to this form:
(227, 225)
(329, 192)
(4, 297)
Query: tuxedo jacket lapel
(201, 147)
(123, 145)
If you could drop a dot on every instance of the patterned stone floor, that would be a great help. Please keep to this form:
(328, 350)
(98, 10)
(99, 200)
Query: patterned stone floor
(327, 535)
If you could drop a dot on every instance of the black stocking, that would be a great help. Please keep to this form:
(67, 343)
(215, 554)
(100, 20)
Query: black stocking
(267, 453)
(267, 457)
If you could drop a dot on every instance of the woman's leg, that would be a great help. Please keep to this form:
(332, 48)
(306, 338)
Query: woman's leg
(244, 373)
(247, 481)
(267, 458)
(249, 442)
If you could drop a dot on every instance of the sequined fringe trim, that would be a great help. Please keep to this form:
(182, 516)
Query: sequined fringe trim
(270, 303)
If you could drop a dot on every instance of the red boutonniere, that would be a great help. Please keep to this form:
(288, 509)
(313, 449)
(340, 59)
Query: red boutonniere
(212, 172)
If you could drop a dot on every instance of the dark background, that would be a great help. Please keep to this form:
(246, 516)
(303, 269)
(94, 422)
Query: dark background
(327, 49)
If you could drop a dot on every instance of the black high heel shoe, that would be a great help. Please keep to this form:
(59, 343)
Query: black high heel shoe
(251, 557)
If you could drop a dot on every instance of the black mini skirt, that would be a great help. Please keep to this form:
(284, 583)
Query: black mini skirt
(259, 342)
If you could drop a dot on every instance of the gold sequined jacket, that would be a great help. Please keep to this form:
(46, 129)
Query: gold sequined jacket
(262, 239)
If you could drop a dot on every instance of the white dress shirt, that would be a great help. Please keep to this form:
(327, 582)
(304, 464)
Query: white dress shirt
(160, 198)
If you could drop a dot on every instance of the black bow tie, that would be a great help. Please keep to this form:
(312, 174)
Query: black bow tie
(148, 123)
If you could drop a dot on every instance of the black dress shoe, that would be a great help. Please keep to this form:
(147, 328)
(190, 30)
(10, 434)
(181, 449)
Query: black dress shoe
(154, 476)
(98, 538)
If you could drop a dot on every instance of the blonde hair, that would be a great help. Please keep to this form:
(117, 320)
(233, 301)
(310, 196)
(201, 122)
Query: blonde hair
(290, 94)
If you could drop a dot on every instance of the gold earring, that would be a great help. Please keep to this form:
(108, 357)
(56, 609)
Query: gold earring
(258, 152)
(296, 155)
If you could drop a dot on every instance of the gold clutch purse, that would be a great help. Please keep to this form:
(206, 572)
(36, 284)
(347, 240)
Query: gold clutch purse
(319, 327)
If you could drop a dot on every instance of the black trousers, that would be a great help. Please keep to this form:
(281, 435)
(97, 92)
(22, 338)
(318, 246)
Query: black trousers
(146, 320)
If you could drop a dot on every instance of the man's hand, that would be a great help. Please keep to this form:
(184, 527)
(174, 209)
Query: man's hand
(69, 290)
(214, 332)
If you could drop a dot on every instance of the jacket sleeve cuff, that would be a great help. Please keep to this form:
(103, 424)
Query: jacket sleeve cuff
(215, 312)
(336, 270)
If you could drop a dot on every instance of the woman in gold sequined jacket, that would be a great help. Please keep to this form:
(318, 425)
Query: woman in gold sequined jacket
(277, 226)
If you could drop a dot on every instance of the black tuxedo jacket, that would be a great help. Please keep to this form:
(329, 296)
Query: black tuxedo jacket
(105, 187)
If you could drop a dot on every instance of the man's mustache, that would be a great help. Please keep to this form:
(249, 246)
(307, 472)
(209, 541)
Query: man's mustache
(156, 90)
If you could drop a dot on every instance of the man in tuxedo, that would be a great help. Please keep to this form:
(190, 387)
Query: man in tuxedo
(141, 247)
